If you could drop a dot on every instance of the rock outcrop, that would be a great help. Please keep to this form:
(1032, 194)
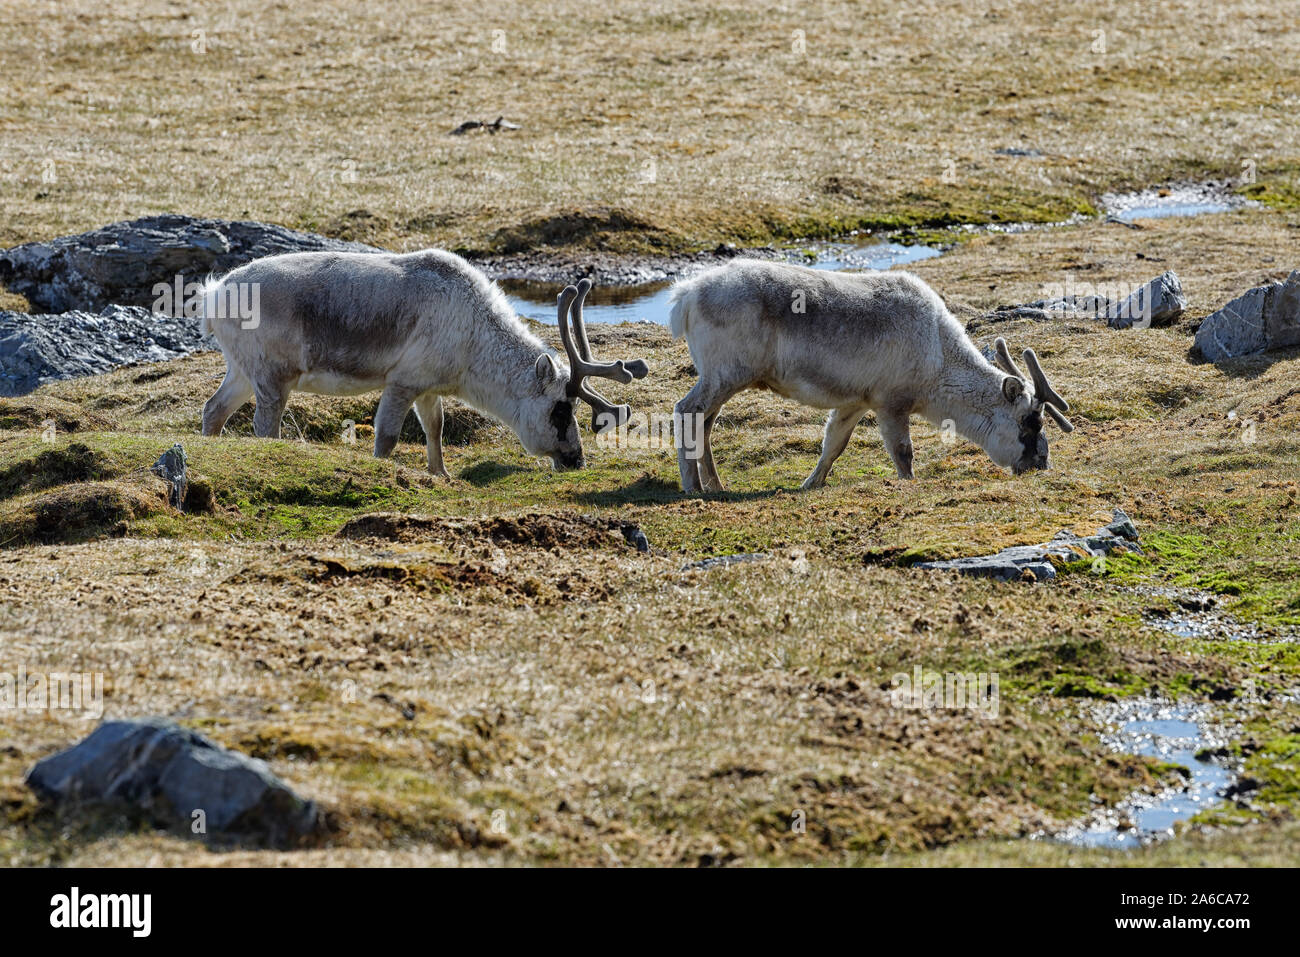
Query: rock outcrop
(1013, 563)
(120, 264)
(35, 349)
(1264, 318)
(1158, 302)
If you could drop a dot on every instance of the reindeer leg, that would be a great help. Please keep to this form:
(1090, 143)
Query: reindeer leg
(271, 398)
(393, 406)
(428, 409)
(686, 440)
(235, 390)
(839, 426)
(896, 433)
(708, 471)
(697, 410)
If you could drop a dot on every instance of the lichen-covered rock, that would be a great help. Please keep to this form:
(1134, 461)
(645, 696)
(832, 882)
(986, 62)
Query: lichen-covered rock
(1261, 319)
(1010, 564)
(120, 264)
(35, 349)
(178, 779)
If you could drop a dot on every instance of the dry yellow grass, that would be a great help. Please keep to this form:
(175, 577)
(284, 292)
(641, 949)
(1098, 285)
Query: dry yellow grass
(675, 123)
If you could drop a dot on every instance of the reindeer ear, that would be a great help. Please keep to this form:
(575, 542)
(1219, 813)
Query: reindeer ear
(547, 373)
(1013, 388)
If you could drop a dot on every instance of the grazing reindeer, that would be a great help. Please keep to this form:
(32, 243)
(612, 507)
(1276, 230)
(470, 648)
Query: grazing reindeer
(850, 342)
(418, 326)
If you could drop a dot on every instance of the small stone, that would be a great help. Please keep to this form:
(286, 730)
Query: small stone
(722, 561)
(633, 535)
(1121, 525)
(170, 467)
(1157, 303)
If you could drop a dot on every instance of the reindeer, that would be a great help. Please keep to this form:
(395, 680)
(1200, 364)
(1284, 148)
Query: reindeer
(418, 326)
(850, 342)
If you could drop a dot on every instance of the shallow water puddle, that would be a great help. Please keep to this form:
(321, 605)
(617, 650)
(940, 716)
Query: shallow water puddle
(872, 255)
(612, 304)
(1168, 732)
(1191, 199)
(1195, 614)
(649, 302)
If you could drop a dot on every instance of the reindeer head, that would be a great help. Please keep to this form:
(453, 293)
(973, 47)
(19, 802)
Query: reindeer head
(1017, 441)
(561, 391)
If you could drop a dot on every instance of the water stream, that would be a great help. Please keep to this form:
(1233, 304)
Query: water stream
(1174, 733)
(649, 302)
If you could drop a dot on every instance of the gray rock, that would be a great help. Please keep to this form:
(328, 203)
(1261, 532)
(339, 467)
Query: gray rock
(1261, 319)
(120, 263)
(1121, 526)
(722, 561)
(35, 349)
(633, 535)
(1011, 563)
(170, 467)
(1159, 302)
(169, 773)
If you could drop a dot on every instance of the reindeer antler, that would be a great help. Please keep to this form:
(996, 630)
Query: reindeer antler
(1050, 399)
(1042, 388)
(1004, 360)
(582, 365)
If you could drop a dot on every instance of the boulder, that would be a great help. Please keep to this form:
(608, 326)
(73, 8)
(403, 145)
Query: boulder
(1158, 303)
(179, 780)
(1010, 564)
(1264, 318)
(35, 349)
(122, 262)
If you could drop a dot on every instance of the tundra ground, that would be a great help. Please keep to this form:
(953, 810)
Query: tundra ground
(503, 679)
(507, 680)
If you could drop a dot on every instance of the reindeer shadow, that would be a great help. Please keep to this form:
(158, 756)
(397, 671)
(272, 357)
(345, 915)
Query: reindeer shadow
(1245, 367)
(649, 490)
(488, 473)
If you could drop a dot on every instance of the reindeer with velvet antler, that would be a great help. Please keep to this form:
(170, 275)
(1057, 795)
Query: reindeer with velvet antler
(851, 342)
(417, 326)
